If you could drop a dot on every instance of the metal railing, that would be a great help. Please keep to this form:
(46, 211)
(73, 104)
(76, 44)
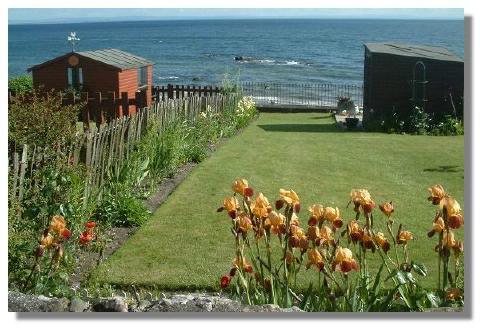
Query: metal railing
(315, 95)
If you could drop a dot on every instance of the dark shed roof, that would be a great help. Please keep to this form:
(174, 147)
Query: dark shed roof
(119, 59)
(412, 50)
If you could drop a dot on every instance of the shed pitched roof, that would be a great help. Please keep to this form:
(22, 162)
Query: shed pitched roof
(413, 50)
(116, 58)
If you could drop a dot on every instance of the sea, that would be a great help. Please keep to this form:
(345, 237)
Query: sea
(202, 52)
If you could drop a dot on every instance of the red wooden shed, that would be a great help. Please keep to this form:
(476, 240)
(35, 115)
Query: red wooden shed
(106, 71)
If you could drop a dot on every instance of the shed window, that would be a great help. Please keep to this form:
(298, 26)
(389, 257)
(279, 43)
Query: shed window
(75, 77)
(142, 76)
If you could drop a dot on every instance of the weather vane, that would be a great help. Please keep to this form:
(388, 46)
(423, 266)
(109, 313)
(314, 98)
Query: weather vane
(72, 38)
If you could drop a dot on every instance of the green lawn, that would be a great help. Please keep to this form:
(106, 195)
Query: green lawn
(187, 245)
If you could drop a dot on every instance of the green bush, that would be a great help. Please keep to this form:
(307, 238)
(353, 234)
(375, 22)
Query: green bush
(41, 120)
(418, 122)
(20, 84)
(121, 209)
(449, 126)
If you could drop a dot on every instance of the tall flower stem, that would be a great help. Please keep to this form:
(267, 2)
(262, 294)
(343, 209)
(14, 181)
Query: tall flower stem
(446, 253)
(289, 213)
(390, 232)
(269, 261)
(439, 261)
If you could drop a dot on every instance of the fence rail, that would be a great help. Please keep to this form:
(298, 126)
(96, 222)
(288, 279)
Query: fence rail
(104, 149)
(182, 91)
(314, 95)
(305, 95)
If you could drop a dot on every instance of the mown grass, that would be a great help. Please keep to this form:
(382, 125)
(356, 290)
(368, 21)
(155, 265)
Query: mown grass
(187, 245)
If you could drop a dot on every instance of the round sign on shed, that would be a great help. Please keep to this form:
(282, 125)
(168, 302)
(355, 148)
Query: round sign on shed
(73, 60)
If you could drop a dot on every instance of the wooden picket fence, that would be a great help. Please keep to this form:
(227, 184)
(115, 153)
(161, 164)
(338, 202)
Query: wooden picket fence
(105, 148)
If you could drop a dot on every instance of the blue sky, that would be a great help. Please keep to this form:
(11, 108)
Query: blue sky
(45, 15)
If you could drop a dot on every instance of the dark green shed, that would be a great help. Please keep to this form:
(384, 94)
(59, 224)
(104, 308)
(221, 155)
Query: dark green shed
(400, 76)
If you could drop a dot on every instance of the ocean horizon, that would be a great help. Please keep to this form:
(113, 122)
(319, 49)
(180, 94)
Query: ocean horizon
(201, 52)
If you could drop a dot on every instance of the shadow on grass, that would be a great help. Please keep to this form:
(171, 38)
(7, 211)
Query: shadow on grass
(444, 169)
(300, 127)
(324, 117)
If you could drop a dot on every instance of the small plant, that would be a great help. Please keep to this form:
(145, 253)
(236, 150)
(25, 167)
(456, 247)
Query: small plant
(231, 83)
(346, 106)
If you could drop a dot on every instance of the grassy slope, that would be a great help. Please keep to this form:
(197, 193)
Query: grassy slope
(188, 245)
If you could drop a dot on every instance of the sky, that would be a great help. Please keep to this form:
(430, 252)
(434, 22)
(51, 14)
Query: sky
(70, 15)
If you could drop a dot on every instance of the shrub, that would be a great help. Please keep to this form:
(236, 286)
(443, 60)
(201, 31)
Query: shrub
(20, 84)
(449, 126)
(418, 122)
(41, 120)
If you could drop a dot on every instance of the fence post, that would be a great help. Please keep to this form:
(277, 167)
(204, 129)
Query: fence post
(86, 112)
(111, 106)
(124, 103)
(16, 166)
(177, 91)
(98, 104)
(170, 91)
(23, 165)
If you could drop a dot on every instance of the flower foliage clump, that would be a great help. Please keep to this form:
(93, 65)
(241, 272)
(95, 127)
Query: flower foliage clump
(50, 257)
(272, 248)
(447, 219)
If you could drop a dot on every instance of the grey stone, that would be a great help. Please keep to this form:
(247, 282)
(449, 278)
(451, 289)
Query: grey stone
(193, 302)
(19, 302)
(115, 304)
(78, 305)
(445, 309)
(144, 304)
(58, 305)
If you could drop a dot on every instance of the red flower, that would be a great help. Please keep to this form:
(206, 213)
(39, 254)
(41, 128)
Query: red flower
(279, 204)
(248, 192)
(232, 214)
(66, 233)
(225, 281)
(297, 207)
(312, 221)
(90, 224)
(85, 238)
(368, 208)
(455, 221)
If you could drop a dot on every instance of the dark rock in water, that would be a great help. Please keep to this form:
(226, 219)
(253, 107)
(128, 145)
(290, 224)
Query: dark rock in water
(196, 78)
(244, 58)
